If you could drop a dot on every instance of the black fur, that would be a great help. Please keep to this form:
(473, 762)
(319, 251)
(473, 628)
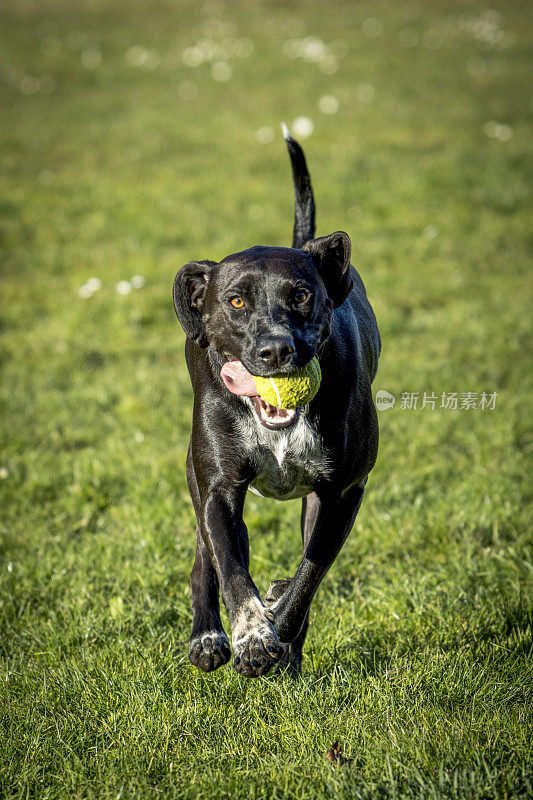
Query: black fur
(324, 457)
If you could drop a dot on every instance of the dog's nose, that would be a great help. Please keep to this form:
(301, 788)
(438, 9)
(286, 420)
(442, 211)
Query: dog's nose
(275, 351)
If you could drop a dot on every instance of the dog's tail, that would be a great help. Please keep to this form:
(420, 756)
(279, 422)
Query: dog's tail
(304, 202)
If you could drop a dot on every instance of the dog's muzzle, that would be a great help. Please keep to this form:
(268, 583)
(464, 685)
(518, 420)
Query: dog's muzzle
(240, 382)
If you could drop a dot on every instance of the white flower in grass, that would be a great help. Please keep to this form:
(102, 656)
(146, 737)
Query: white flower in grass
(313, 48)
(498, 130)
(430, 232)
(264, 135)
(89, 288)
(10, 566)
(193, 56)
(138, 281)
(4, 472)
(365, 92)
(136, 55)
(328, 65)
(139, 56)
(221, 71)
(123, 287)
(505, 133)
(328, 104)
(303, 127)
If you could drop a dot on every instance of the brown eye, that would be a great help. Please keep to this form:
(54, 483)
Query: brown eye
(237, 302)
(301, 296)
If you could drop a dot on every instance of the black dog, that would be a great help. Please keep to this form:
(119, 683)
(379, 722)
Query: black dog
(264, 311)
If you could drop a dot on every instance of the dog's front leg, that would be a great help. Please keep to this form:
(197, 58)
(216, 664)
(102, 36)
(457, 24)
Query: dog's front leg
(256, 646)
(209, 646)
(334, 522)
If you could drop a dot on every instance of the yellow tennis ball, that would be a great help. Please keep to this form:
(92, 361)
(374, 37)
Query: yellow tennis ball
(291, 391)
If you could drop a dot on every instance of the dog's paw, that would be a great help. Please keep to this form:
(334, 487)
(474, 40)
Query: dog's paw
(209, 651)
(256, 653)
(276, 590)
(256, 647)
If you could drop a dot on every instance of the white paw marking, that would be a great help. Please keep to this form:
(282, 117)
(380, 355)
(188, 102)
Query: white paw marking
(209, 635)
(252, 621)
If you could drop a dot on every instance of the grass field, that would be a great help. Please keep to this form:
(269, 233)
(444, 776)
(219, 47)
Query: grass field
(136, 137)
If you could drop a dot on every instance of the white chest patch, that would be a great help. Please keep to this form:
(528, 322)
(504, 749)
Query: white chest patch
(287, 461)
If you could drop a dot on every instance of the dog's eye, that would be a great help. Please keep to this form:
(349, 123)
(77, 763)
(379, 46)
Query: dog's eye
(237, 302)
(301, 296)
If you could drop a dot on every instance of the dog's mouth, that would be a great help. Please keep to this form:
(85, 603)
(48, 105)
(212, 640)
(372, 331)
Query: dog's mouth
(273, 417)
(240, 382)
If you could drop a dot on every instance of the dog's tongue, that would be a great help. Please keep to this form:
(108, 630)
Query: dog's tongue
(237, 379)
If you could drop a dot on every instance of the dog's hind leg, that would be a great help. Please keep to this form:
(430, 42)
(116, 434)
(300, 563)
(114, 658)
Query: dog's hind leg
(292, 659)
(310, 509)
(209, 646)
(334, 516)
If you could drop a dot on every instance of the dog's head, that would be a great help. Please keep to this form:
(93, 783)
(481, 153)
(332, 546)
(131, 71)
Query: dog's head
(268, 307)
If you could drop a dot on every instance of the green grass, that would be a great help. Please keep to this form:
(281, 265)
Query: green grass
(419, 656)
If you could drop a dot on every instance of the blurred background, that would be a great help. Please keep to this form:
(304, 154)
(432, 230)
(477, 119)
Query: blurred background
(140, 135)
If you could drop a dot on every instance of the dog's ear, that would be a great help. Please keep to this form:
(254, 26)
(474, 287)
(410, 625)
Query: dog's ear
(332, 254)
(188, 292)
